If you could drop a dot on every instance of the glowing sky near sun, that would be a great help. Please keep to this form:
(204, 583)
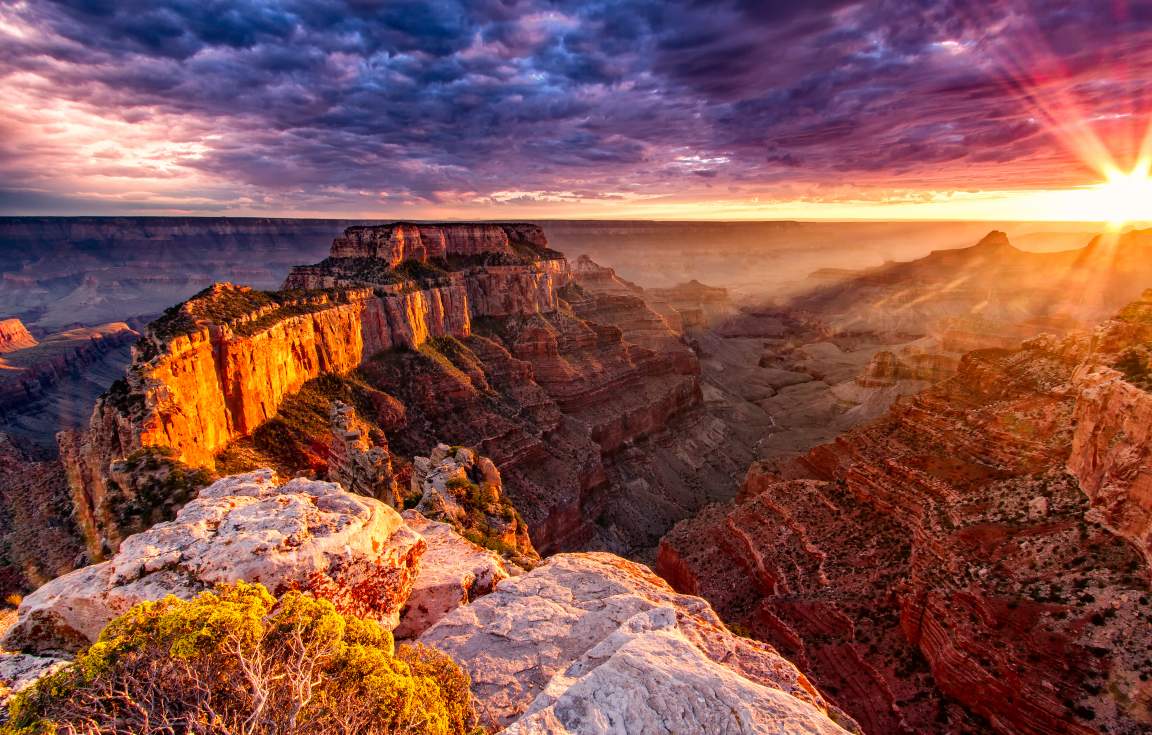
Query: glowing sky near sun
(529, 108)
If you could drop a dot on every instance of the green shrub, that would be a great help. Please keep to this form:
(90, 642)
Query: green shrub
(239, 661)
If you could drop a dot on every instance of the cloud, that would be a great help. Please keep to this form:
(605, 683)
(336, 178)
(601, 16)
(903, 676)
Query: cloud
(297, 103)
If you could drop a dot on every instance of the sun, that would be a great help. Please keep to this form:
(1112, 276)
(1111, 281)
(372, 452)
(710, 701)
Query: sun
(1125, 197)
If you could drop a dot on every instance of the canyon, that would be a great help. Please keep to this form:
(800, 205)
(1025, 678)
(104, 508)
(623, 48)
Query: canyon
(973, 561)
(918, 494)
(476, 335)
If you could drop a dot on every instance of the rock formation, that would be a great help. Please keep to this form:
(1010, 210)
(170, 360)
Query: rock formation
(592, 643)
(887, 369)
(236, 354)
(938, 570)
(29, 371)
(18, 671)
(359, 462)
(464, 490)
(401, 241)
(302, 534)
(14, 336)
(38, 537)
(475, 337)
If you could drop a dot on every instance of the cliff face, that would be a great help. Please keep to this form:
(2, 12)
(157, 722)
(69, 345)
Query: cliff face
(548, 391)
(940, 563)
(402, 241)
(1112, 452)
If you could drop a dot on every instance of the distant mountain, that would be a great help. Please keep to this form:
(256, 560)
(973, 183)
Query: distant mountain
(990, 280)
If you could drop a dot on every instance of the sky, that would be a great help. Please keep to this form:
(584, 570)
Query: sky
(669, 109)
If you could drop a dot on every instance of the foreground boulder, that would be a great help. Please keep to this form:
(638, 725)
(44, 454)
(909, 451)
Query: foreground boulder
(591, 643)
(303, 534)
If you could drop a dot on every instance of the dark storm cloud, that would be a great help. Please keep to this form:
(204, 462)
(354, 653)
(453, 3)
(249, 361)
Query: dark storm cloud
(416, 99)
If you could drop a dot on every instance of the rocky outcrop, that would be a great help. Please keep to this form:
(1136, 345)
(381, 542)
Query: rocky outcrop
(306, 535)
(621, 391)
(938, 570)
(14, 336)
(886, 369)
(453, 572)
(1112, 452)
(593, 643)
(400, 241)
(484, 349)
(463, 489)
(638, 324)
(18, 671)
(681, 308)
(358, 458)
(649, 660)
(238, 372)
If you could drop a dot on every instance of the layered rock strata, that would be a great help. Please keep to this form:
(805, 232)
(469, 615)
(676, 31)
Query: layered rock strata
(30, 371)
(303, 535)
(1007, 602)
(400, 241)
(592, 643)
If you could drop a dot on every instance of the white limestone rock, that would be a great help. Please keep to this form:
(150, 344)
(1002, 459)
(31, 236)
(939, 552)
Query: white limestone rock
(453, 572)
(647, 677)
(303, 534)
(540, 643)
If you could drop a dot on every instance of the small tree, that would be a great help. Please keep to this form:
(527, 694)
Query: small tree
(238, 662)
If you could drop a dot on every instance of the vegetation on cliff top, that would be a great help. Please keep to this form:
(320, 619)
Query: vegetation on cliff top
(234, 305)
(238, 660)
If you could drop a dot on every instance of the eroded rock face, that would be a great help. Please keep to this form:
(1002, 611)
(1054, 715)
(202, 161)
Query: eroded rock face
(544, 646)
(14, 336)
(302, 534)
(236, 354)
(400, 241)
(358, 461)
(465, 490)
(31, 370)
(1112, 452)
(941, 562)
(453, 572)
(37, 533)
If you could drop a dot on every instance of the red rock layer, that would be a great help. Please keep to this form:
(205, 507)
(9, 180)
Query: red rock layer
(550, 396)
(938, 571)
(220, 365)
